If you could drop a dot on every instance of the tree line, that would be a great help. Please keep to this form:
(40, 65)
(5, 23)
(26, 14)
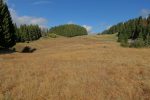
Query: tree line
(132, 33)
(27, 33)
(68, 30)
(10, 33)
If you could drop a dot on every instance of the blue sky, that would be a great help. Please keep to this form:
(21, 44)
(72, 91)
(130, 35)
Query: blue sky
(95, 15)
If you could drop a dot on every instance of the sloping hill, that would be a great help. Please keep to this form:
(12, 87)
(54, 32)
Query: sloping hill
(80, 68)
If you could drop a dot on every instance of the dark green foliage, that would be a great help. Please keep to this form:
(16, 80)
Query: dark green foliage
(7, 31)
(69, 30)
(28, 33)
(136, 30)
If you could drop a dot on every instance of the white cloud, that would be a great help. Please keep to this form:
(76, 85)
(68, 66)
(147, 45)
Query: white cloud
(42, 2)
(88, 28)
(27, 19)
(145, 12)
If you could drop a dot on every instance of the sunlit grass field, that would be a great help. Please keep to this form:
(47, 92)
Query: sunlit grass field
(79, 68)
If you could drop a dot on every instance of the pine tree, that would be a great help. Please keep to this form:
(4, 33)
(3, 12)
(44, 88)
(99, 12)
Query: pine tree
(137, 30)
(148, 19)
(28, 33)
(7, 31)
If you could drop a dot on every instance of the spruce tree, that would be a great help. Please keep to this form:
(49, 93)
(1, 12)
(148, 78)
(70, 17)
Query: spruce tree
(28, 33)
(7, 30)
(137, 30)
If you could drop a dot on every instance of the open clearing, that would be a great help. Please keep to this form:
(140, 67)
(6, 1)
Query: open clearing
(79, 68)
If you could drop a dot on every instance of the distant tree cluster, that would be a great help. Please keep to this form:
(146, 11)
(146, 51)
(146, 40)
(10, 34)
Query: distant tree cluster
(28, 33)
(69, 30)
(11, 33)
(133, 33)
(7, 30)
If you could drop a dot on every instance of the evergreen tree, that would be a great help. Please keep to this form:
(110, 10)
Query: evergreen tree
(135, 30)
(7, 31)
(28, 33)
(148, 19)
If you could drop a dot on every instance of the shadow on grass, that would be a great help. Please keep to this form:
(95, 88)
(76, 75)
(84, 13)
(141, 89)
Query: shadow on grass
(25, 49)
(7, 51)
(28, 49)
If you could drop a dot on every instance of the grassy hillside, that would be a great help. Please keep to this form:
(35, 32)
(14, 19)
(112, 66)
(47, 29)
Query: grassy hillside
(79, 68)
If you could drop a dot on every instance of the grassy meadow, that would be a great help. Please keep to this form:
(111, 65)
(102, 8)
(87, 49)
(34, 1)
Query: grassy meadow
(79, 68)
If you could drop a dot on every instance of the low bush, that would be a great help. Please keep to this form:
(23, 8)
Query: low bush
(52, 35)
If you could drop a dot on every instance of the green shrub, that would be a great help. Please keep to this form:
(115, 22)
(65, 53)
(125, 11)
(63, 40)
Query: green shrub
(52, 35)
(139, 43)
(124, 44)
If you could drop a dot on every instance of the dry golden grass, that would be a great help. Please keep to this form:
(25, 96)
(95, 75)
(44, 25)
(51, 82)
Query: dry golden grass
(80, 68)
